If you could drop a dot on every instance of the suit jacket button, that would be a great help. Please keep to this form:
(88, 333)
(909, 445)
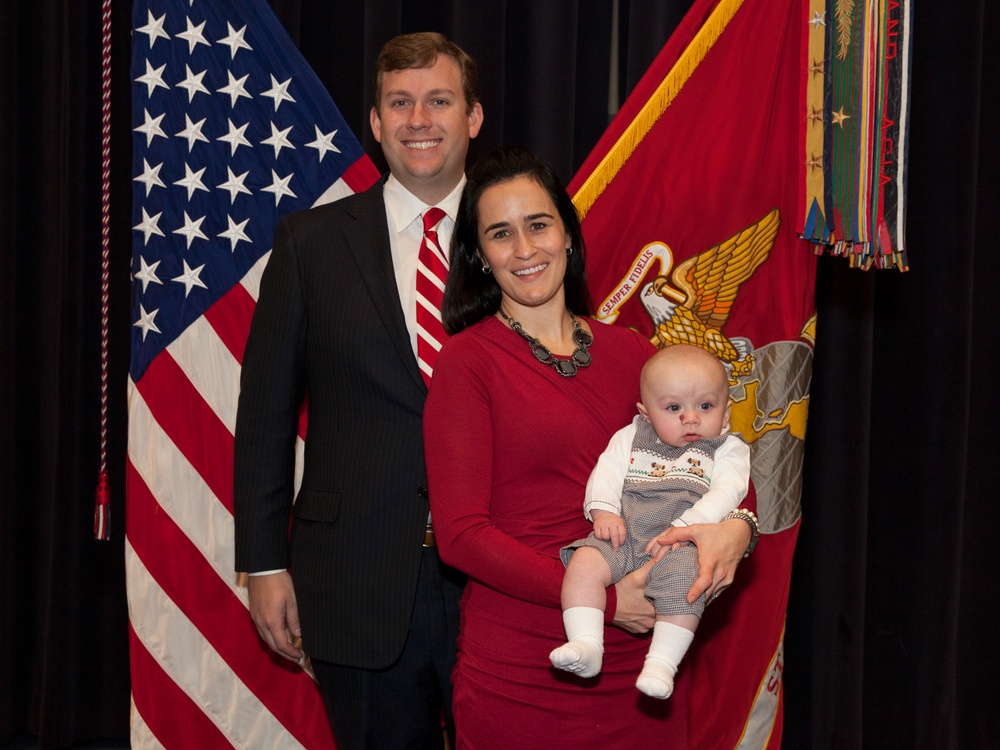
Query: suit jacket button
(422, 493)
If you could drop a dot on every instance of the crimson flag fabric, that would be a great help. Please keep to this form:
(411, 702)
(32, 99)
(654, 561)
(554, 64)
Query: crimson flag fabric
(691, 204)
(232, 129)
(432, 272)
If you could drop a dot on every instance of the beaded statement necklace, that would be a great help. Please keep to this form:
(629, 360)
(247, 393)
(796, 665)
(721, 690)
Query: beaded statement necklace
(565, 367)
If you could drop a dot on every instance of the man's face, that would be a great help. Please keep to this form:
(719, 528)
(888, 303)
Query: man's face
(424, 127)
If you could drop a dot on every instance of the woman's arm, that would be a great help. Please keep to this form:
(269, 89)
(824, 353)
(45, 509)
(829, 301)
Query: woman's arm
(458, 443)
(721, 546)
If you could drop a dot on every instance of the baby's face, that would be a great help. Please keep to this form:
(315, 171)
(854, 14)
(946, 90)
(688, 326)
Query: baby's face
(685, 402)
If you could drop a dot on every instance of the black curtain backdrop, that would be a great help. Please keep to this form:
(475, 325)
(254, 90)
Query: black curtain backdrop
(889, 639)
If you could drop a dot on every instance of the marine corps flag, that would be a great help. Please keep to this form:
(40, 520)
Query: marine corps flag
(691, 205)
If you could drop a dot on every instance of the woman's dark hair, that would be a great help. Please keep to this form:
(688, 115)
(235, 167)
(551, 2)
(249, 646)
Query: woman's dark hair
(471, 295)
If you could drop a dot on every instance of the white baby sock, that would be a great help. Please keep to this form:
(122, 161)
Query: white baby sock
(584, 652)
(670, 643)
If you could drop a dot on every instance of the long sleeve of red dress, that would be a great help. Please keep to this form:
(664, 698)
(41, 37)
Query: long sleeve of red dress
(510, 445)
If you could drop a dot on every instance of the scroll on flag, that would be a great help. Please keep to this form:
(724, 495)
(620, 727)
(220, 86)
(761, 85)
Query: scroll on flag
(231, 130)
(691, 203)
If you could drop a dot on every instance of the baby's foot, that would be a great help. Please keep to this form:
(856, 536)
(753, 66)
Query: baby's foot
(582, 658)
(656, 679)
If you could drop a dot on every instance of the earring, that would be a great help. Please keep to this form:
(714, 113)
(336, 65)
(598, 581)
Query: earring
(569, 251)
(487, 270)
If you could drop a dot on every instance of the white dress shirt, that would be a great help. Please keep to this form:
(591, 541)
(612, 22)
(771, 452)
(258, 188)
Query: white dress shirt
(403, 212)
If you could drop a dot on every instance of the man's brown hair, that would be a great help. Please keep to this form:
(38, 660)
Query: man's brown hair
(420, 50)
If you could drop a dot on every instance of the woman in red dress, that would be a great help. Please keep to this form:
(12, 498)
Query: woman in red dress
(525, 395)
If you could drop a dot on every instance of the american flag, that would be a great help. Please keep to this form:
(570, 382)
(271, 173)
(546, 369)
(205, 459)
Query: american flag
(231, 130)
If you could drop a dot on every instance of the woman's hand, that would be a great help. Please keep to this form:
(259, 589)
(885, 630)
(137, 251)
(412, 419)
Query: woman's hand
(635, 613)
(720, 549)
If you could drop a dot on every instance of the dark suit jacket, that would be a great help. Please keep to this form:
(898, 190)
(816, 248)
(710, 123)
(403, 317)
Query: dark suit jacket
(329, 324)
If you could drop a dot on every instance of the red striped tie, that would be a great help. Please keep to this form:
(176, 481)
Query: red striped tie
(432, 271)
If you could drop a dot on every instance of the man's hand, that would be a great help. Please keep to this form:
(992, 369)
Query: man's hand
(720, 549)
(609, 526)
(275, 613)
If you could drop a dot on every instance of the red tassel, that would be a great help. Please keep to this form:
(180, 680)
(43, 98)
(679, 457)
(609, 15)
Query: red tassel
(102, 509)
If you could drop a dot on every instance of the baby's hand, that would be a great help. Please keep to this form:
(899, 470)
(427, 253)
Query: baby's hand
(609, 526)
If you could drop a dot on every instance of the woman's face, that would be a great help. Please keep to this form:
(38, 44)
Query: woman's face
(523, 240)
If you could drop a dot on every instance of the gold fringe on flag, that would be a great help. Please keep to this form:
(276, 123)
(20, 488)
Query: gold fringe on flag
(655, 106)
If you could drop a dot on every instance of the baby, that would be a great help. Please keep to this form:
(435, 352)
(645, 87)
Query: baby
(674, 464)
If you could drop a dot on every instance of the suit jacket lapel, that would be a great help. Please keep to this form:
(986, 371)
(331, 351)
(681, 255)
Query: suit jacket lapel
(368, 239)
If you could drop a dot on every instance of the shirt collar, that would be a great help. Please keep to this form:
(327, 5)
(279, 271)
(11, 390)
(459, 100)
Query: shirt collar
(403, 207)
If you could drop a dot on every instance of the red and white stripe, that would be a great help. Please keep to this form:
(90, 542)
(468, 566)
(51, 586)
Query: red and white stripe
(432, 272)
(202, 677)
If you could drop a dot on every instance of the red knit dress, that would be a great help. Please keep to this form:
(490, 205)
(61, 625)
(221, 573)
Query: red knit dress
(510, 445)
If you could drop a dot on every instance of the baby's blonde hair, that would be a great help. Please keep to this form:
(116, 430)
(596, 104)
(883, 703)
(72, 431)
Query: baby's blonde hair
(681, 354)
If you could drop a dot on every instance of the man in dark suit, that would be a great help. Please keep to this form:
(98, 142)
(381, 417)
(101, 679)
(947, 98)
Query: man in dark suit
(336, 322)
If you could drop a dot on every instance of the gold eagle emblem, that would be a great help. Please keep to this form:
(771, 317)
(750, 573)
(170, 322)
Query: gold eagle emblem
(694, 304)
